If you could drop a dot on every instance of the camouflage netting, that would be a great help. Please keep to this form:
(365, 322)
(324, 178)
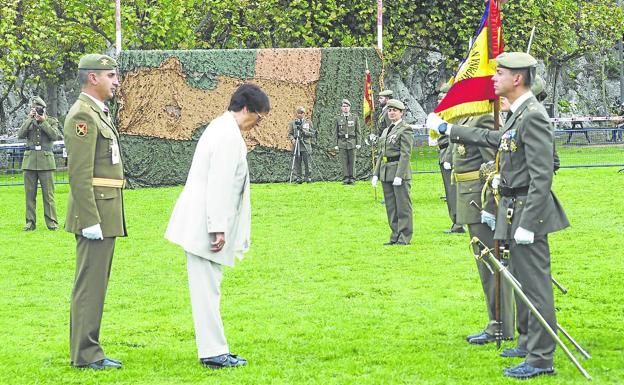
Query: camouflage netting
(167, 98)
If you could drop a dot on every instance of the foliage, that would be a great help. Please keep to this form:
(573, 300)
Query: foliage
(318, 300)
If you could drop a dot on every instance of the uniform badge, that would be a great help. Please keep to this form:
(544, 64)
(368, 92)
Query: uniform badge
(461, 150)
(393, 138)
(513, 146)
(81, 129)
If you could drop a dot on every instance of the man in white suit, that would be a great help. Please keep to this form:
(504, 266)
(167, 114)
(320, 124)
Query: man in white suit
(212, 217)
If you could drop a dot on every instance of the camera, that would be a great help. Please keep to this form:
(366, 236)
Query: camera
(40, 110)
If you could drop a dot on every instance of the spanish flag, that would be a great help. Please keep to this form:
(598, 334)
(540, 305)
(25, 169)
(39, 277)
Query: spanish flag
(368, 105)
(473, 89)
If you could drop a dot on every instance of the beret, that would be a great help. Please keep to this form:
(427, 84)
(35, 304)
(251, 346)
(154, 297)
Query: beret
(347, 102)
(395, 103)
(94, 61)
(385, 93)
(515, 60)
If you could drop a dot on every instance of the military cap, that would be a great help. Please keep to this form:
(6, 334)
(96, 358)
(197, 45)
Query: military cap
(395, 103)
(38, 101)
(301, 109)
(94, 61)
(385, 93)
(347, 102)
(538, 85)
(515, 60)
(444, 88)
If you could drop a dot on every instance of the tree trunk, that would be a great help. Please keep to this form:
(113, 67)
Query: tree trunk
(52, 98)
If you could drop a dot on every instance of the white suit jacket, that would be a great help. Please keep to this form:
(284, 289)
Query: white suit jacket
(216, 195)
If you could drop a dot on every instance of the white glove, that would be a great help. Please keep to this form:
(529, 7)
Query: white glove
(496, 181)
(374, 180)
(489, 219)
(523, 236)
(397, 181)
(335, 147)
(433, 122)
(357, 146)
(446, 165)
(93, 232)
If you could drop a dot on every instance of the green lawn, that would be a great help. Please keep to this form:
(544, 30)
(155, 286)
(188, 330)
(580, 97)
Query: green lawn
(318, 300)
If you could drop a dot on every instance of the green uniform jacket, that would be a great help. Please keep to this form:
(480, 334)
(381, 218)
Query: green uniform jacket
(397, 142)
(525, 148)
(347, 131)
(89, 139)
(307, 133)
(383, 122)
(39, 134)
(467, 158)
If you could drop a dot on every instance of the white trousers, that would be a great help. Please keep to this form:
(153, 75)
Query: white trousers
(205, 287)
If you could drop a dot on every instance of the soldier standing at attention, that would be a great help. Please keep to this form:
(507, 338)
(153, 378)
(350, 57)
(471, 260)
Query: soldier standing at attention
(528, 210)
(95, 207)
(467, 160)
(394, 170)
(347, 141)
(300, 133)
(40, 131)
(384, 120)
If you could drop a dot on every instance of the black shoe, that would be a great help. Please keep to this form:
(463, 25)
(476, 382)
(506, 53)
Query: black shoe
(29, 226)
(524, 371)
(455, 229)
(102, 364)
(514, 352)
(53, 228)
(482, 339)
(402, 243)
(471, 336)
(389, 243)
(309, 180)
(223, 361)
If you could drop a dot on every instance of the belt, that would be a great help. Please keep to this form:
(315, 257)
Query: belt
(346, 136)
(443, 146)
(108, 182)
(39, 148)
(513, 191)
(466, 176)
(389, 159)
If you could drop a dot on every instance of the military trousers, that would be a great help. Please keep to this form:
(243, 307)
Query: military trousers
(450, 190)
(530, 264)
(93, 266)
(347, 160)
(399, 209)
(46, 179)
(205, 278)
(488, 282)
(305, 157)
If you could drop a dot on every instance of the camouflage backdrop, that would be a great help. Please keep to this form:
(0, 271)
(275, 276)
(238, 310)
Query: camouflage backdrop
(167, 98)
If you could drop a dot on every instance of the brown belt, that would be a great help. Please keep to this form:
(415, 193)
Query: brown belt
(108, 182)
(466, 176)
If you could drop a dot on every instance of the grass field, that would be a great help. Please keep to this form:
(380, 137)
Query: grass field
(318, 300)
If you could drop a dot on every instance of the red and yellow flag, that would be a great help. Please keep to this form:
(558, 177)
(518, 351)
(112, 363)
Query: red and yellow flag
(368, 106)
(473, 89)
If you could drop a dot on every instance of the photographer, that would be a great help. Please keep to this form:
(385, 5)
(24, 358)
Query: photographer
(40, 131)
(300, 132)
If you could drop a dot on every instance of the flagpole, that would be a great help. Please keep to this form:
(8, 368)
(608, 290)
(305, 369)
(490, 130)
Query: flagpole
(530, 40)
(117, 27)
(379, 25)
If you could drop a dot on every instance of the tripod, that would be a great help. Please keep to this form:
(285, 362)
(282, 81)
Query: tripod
(297, 153)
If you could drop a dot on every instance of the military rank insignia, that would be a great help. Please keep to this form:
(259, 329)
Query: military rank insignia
(81, 129)
(461, 150)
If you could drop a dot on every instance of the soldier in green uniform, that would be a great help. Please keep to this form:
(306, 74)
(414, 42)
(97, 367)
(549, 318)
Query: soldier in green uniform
(40, 132)
(445, 158)
(347, 141)
(300, 134)
(467, 160)
(394, 171)
(528, 210)
(383, 121)
(95, 207)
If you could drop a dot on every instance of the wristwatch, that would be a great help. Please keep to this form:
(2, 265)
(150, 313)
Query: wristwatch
(442, 128)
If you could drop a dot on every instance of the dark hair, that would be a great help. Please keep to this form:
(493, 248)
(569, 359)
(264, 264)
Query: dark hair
(83, 76)
(250, 96)
(528, 74)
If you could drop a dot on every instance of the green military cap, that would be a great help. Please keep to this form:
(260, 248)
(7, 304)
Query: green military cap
(444, 88)
(347, 102)
(94, 61)
(538, 85)
(515, 60)
(301, 109)
(395, 103)
(38, 101)
(385, 93)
